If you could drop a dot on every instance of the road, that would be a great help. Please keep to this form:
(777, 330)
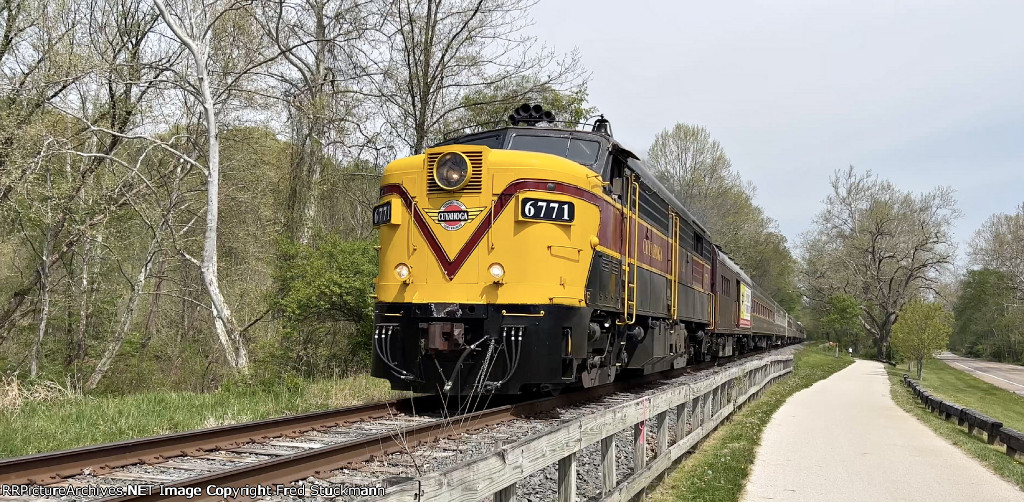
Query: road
(1007, 376)
(844, 439)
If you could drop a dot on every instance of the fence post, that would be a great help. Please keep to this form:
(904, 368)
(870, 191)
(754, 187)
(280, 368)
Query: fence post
(681, 421)
(698, 411)
(567, 478)
(662, 423)
(507, 494)
(639, 447)
(708, 403)
(608, 464)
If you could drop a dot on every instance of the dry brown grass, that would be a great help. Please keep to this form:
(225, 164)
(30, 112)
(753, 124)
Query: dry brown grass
(14, 394)
(11, 399)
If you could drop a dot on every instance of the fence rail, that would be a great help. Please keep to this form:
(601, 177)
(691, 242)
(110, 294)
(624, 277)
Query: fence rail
(703, 405)
(973, 420)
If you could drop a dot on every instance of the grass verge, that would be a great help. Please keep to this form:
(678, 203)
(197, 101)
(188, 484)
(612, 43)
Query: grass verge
(961, 388)
(718, 470)
(38, 426)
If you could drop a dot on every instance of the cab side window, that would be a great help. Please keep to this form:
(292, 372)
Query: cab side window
(618, 177)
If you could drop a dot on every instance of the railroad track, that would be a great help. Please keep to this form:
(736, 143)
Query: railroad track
(279, 451)
(51, 467)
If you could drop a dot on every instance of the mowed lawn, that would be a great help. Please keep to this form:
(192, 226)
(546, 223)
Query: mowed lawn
(954, 385)
(718, 470)
(961, 388)
(39, 426)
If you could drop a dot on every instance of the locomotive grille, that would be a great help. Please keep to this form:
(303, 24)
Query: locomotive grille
(476, 168)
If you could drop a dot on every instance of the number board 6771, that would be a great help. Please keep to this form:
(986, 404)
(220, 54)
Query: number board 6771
(555, 211)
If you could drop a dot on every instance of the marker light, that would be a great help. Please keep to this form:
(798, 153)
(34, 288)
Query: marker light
(497, 271)
(402, 271)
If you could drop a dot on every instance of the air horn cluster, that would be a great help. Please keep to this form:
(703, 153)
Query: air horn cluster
(530, 115)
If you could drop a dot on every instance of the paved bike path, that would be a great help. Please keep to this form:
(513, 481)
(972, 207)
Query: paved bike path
(845, 439)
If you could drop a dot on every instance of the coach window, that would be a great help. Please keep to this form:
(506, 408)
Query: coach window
(698, 243)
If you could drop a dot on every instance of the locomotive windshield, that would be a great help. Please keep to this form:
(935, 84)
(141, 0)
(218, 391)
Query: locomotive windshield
(577, 150)
(490, 141)
(566, 144)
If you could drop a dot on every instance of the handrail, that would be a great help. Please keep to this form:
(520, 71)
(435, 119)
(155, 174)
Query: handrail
(713, 307)
(631, 283)
(675, 264)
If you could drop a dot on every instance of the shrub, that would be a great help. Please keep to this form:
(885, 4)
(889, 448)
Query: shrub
(325, 308)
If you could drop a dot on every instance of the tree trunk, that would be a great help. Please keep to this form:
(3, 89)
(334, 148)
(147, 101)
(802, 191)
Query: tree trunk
(227, 331)
(920, 368)
(77, 352)
(310, 131)
(78, 343)
(315, 158)
(126, 318)
(44, 288)
(44, 310)
(154, 304)
(308, 170)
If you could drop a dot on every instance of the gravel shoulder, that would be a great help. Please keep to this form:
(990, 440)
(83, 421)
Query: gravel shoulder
(845, 439)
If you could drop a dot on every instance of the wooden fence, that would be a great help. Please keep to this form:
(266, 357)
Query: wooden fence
(973, 420)
(703, 404)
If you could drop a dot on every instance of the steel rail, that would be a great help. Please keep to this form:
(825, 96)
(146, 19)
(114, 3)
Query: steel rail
(51, 467)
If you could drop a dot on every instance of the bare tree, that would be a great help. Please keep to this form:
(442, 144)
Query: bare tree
(999, 244)
(317, 81)
(880, 245)
(109, 90)
(193, 25)
(428, 55)
(126, 316)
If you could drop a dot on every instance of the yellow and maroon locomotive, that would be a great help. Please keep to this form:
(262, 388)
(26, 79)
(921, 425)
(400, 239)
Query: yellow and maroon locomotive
(533, 257)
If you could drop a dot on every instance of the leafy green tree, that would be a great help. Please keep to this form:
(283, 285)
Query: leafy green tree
(694, 167)
(923, 329)
(840, 322)
(984, 294)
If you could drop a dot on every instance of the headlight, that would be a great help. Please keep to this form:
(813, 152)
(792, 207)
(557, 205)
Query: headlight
(451, 170)
(497, 271)
(402, 271)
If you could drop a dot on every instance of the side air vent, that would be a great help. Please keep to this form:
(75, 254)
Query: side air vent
(476, 169)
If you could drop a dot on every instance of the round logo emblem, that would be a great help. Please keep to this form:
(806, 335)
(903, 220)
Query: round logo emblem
(453, 215)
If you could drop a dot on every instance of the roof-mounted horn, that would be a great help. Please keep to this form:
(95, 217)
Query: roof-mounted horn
(531, 115)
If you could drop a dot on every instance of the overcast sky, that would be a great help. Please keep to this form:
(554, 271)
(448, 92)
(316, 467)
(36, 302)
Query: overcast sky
(924, 93)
